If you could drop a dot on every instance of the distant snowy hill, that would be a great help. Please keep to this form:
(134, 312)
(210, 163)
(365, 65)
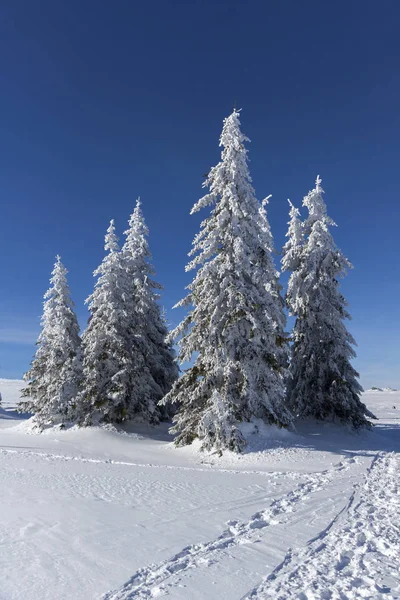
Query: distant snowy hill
(310, 514)
(10, 390)
(386, 389)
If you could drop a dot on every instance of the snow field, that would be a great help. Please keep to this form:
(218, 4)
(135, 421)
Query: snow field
(312, 515)
(357, 555)
(237, 533)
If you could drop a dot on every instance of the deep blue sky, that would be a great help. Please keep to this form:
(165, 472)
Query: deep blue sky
(103, 101)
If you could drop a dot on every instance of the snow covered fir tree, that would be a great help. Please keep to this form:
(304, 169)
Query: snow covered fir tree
(112, 360)
(55, 374)
(235, 326)
(146, 313)
(117, 383)
(322, 382)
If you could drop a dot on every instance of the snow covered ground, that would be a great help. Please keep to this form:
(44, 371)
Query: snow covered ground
(311, 515)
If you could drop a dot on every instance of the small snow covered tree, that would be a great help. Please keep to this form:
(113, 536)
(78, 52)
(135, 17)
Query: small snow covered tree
(322, 382)
(235, 327)
(116, 383)
(56, 370)
(292, 253)
(145, 312)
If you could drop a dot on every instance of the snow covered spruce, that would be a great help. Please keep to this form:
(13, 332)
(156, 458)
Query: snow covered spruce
(127, 365)
(56, 371)
(147, 319)
(235, 327)
(322, 382)
(112, 361)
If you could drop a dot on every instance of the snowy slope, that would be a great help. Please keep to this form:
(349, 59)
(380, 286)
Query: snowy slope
(308, 515)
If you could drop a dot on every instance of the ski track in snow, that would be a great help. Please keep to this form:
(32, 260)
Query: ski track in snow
(155, 580)
(212, 469)
(356, 556)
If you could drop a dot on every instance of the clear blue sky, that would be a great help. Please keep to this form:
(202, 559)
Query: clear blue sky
(103, 101)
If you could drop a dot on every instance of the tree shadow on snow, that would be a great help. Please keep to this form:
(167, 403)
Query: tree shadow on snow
(154, 432)
(311, 435)
(13, 415)
(31, 448)
(341, 440)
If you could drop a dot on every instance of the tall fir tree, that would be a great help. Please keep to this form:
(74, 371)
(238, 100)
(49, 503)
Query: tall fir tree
(56, 370)
(146, 314)
(116, 384)
(235, 326)
(322, 382)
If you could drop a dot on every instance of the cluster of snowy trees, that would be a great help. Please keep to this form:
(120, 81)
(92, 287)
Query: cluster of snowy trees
(123, 366)
(243, 367)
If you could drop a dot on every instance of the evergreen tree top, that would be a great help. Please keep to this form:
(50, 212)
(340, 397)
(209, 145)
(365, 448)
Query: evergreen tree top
(295, 234)
(111, 239)
(319, 240)
(294, 212)
(136, 244)
(237, 222)
(108, 271)
(316, 206)
(231, 169)
(136, 221)
(58, 292)
(295, 225)
(265, 226)
(58, 279)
